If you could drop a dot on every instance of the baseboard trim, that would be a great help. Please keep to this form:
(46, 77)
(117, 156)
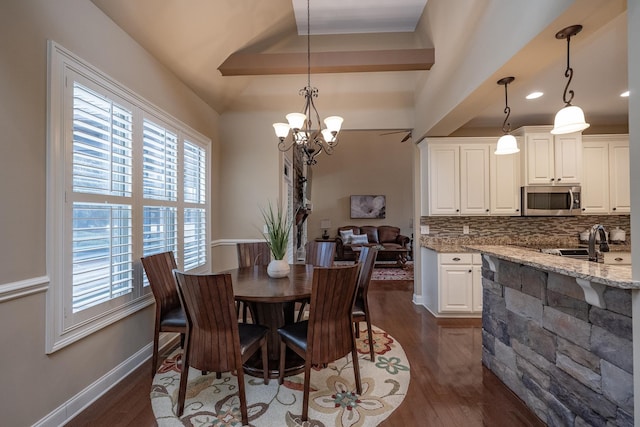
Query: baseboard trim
(78, 403)
(418, 299)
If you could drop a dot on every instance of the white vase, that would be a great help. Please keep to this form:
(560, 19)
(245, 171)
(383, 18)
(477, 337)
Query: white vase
(278, 268)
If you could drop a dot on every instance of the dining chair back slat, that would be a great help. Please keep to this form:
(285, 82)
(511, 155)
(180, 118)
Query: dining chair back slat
(169, 316)
(320, 254)
(328, 335)
(361, 313)
(214, 336)
(253, 253)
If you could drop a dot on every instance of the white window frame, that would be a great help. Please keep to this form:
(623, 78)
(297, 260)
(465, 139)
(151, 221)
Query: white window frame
(63, 326)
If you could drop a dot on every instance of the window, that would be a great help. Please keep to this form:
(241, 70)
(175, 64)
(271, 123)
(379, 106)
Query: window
(124, 181)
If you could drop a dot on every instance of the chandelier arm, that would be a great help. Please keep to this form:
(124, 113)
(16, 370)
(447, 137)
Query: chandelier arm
(283, 146)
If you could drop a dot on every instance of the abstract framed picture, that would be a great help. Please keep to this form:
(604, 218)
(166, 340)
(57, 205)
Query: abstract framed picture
(368, 206)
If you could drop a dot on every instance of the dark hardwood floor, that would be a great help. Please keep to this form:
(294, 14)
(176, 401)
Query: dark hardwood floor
(449, 386)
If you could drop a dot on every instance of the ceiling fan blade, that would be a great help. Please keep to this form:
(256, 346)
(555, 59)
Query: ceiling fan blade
(407, 137)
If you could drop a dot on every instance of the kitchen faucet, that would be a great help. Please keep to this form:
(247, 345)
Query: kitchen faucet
(604, 246)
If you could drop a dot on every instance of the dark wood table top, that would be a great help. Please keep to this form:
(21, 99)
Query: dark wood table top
(253, 284)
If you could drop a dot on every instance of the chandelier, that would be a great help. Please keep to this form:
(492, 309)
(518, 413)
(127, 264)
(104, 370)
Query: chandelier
(303, 135)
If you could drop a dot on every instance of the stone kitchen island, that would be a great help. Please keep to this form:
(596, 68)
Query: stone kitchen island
(558, 332)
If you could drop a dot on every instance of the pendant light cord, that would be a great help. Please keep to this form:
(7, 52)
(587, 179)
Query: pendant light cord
(308, 43)
(568, 73)
(506, 127)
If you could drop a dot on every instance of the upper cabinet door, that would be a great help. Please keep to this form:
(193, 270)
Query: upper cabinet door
(595, 183)
(504, 182)
(553, 159)
(619, 176)
(474, 179)
(568, 158)
(539, 159)
(444, 180)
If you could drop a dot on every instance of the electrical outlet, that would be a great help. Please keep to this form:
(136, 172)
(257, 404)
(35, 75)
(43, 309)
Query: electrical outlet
(424, 229)
(265, 230)
(465, 229)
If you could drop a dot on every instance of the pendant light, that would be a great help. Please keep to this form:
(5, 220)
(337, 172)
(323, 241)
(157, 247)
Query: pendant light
(570, 118)
(507, 143)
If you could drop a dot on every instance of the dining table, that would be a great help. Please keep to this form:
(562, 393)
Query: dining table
(272, 304)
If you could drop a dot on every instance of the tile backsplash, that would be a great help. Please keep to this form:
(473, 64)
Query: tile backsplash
(513, 228)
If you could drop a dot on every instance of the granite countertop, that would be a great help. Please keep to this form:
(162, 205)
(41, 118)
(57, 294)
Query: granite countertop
(461, 244)
(618, 276)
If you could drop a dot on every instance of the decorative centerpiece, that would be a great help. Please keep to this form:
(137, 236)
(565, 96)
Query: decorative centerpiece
(277, 237)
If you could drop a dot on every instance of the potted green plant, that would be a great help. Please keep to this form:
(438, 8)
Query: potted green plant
(277, 236)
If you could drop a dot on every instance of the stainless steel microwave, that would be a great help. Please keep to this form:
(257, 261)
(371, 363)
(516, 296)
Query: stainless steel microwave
(556, 200)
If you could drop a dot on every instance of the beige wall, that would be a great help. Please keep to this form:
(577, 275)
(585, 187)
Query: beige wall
(34, 384)
(364, 162)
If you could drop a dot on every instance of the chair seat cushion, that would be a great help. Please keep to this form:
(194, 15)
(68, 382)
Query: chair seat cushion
(295, 334)
(174, 318)
(249, 334)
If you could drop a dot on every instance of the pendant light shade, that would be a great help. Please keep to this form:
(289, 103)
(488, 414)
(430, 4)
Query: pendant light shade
(507, 144)
(570, 118)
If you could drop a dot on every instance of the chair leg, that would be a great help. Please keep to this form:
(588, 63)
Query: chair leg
(154, 357)
(182, 390)
(283, 354)
(303, 305)
(243, 397)
(356, 369)
(265, 361)
(305, 395)
(356, 328)
(370, 332)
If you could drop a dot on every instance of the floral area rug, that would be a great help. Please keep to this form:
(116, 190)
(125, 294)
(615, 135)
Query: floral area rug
(332, 399)
(400, 273)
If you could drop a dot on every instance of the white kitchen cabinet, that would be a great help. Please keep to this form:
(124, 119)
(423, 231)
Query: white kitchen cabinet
(551, 159)
(458, 177)
(606, 181)
(504, 182)
(619, 176)
(444, 179)
(460, 283)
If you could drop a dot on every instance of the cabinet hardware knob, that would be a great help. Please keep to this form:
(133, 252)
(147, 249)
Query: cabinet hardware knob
(457, 210)
(584, 209)
(456, 259)
(517, 210)
(553, 179)
(618, 259)
(614, 209)
(486, 210)
(559, 179)
(469, 271)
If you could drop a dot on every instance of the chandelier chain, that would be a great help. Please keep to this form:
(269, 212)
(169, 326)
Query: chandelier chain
(568, 73)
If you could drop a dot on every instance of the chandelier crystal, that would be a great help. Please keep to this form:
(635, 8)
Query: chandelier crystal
(305, 127)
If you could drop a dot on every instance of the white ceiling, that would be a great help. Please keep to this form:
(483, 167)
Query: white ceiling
(358, 16)
(193, 41)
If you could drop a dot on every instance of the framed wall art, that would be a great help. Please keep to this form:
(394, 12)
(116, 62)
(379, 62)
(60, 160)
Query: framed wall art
(368, 206)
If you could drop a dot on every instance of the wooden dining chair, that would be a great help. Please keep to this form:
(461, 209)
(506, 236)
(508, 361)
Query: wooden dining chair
(253, 253)
(250, 254)
(360, 313)
(328, 335)
(170, 316)
(215, 341)
(318, 254)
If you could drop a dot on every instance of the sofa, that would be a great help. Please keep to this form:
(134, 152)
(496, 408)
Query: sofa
(384, 235)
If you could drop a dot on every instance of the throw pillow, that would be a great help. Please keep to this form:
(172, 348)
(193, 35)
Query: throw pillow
(359, 239)
(346, 236)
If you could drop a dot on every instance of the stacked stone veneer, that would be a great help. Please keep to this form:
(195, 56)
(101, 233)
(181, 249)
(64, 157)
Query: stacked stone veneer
(569, 361)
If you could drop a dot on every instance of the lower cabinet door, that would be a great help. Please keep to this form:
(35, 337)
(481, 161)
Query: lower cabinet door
(456, 294)
(477, 288)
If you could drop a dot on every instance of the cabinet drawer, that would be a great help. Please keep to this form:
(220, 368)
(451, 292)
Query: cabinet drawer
(456, 258)
(477, 259)
(617, 258)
